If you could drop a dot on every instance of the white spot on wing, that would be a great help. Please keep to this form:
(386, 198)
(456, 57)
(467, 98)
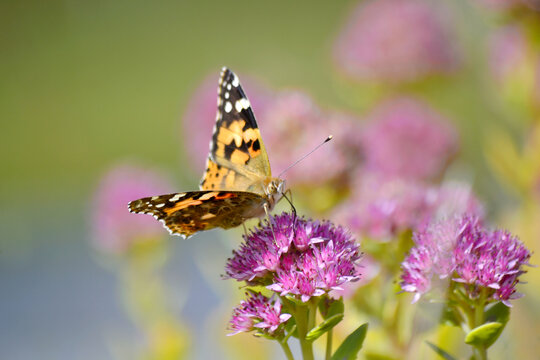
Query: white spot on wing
(229, 87)
(241, 104)
(228, 106)
(235, 81)
(208, 195)
(176, 197)
(160, 205)
(227, 94)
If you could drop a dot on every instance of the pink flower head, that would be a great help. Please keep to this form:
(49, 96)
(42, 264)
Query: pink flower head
(200, 115)
(508, 51)
(293, 125)
(115, 229)
(406, 138)
(257, 312)
(453, 199)
(319, 258)
(463, 251)
(382, 208)
(394, 40)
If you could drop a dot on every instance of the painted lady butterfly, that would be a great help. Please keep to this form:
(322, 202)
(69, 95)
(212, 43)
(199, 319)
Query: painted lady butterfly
(237, 184)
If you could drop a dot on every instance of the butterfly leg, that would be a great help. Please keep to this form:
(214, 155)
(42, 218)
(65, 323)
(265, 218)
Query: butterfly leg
(267, 211)
(292, 207)
(245, 229)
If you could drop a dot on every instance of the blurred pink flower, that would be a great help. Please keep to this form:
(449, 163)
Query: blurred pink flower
(407, 138)
(395, 40)
(293, 125)
(508, 51)
(114, 228)
(369, 269)
(382, 208)
(200, 115)
(455, 199)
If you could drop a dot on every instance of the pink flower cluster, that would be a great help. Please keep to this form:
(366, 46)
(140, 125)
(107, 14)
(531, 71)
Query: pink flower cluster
(115, 229)
(464, 252)
(407, 138)
(297, 257)
(382, 208)
(257, 312)
(395, 40)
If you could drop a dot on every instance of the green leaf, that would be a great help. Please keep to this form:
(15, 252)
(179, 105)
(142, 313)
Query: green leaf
(451, 316)
(290, 327)
(263, 335)
(440, 351)
(484, 335)
(498, 313)
(323, 327)
(330, 307)
(350, 347)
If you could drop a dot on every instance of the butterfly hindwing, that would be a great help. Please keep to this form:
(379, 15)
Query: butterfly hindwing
(237, 158)
(190, 212)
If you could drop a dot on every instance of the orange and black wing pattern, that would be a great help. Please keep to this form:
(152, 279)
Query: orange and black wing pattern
(237, 160)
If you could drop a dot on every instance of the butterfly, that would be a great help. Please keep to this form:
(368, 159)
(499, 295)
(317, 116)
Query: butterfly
(237, 184)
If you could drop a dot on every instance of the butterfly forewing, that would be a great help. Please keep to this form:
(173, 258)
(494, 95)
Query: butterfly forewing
(235, 186)
(237, 159)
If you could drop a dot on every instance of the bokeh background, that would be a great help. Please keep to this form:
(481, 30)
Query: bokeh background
(91, 92)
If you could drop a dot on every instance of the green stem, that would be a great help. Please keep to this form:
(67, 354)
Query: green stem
(479, 320)
(328, 344)
(302, 320)
(475, 317)
(312, 308)
(286, 350)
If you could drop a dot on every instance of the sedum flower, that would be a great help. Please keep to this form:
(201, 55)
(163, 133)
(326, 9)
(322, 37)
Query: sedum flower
(464, 252)
(293, 125)
(508, 50)
(453, 199)
(307, 258)
(382, 208)
(257, 312)
(395, 41)
(114, 228)
(407, 138)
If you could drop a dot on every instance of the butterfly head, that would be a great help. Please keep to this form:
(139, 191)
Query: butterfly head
(274, 190)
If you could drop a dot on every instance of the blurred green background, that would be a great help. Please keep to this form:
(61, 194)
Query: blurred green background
(86, 84)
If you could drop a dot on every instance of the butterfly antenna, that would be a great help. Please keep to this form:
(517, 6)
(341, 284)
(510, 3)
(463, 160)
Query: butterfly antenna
(305, 156)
